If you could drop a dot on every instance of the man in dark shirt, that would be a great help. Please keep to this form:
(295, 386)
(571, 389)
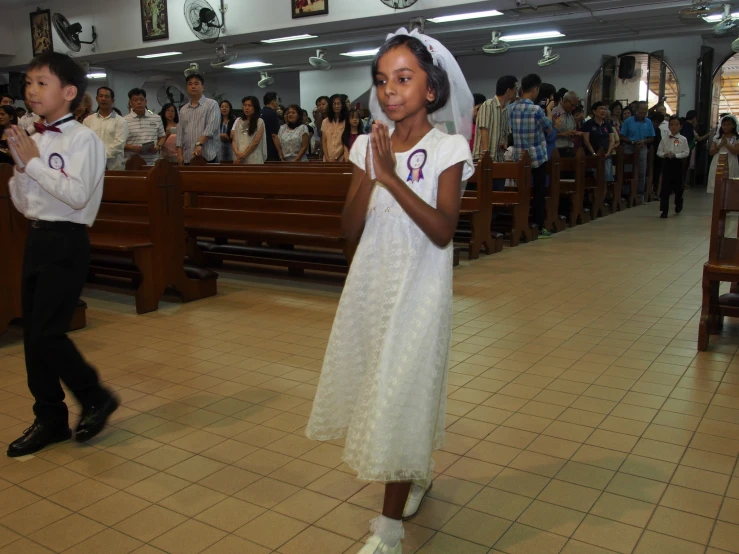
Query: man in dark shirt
(272, 127)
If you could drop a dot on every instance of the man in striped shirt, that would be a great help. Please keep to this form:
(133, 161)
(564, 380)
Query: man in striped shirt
(200, 124)
(493, 124)
(145, 130)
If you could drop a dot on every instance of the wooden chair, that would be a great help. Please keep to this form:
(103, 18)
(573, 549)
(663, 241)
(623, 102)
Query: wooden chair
(631, 177)
(517, 198)
(477, 212)
(553, 221)
(614, 200)
(649, 193)
(573, 190)
(723, 258)
(595, 183)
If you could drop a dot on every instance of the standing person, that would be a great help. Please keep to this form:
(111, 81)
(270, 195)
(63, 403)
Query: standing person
(6, 99)
(688, 131)
(84, 110)
(7, 119)
(198, 129)
(726, 141)
(58, 185)
(598, 135)
(248, 138)
(617, 111)
(384, 378)
(146, 134)
(294, 135)
(319, 114)
(227, 123)
(356, 127)
(529, 125)
(638, 131)
(110, 128)
(493, 124)
(272, 127)
(673, 150)
(170, 119)
(567, 126)
(335, 132)
(479, 99)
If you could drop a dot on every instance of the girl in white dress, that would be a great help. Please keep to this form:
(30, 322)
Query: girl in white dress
(384, 377)
(247, 135)
(726, 141)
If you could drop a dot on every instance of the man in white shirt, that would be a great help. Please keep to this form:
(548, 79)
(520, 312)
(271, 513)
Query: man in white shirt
(111, 128)
(146, 134)
(27, 120)
(58, 185)
(673, 150)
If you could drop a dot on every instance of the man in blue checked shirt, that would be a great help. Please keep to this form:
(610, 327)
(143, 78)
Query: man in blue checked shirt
(529, 124)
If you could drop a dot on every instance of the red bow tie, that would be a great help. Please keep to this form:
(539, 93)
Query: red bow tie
(41, 128)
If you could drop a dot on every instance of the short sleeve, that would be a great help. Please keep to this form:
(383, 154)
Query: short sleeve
(304, 130)
(358, 153)
(454, 149)
(483, 116)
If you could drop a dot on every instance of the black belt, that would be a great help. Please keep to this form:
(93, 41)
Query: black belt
(55, 225)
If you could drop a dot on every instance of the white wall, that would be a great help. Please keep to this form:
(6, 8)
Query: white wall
(353, 81)
(234, 88)
(579, 62)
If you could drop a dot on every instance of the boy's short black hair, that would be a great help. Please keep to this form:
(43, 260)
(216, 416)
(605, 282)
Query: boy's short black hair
(6, 95)
(436, 78)
(479, 98)
(269, 98)
(318, 100)
(677, 118)
(197, 76)
(64, 68)
(598, 104)
(690, 115)
(110, 90)
(504, 84)
(136, 92)
(530, 82)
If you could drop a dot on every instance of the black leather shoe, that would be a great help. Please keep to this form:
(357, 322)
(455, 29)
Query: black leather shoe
(678, 209)
(37, 437)
(94, 418)
(663, 216)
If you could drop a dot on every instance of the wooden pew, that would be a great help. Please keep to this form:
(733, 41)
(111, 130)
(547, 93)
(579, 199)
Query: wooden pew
(632, 177)
(477, 211)
(595, 183)
(139, 234)
(13, 235)
(615, 201)
(517, 198)
(574, 189)
(650, 193)
(553, 222)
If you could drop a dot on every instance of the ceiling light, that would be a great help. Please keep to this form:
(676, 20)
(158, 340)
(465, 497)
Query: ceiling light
(246, 65)
(531, 36)
(361, 53)
(718, 17)
(96, 75)
(160, 55)
(463, 16)
(287, 39)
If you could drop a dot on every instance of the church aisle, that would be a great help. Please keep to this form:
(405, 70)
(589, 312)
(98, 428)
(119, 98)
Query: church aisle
(581, 419)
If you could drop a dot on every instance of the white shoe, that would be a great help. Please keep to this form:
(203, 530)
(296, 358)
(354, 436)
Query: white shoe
(376, 546)
(415, 497)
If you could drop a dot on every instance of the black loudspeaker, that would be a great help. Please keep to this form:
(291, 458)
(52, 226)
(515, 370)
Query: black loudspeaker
(626, 65)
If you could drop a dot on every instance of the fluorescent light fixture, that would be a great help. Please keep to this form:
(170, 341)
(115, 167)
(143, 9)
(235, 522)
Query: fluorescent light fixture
(463, 16)
(159, 55)
(361, 53)
(287, 39)
(96, 75)
(246, 65)
(716, 18)
(531, 36)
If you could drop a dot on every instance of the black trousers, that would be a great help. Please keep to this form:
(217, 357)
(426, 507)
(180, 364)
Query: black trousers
(54, 270)
(672, 182)
(539, 176)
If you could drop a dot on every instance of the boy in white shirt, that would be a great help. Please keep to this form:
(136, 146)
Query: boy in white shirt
(57, 185)
(673, 149)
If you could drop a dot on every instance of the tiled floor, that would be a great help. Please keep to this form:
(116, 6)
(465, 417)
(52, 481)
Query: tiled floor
(580, 419)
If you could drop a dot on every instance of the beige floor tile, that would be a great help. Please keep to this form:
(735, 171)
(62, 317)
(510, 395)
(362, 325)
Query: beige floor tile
(435, 513)
(693, 501)
(75, 497)
(115, 508)
(109, 541)
(521, 539)
(500, 503)
(441, 543)
(520, 482)
(679, 524)
(349, 521)
(232, 544)
(725, 536)
(476, 527)
(230, 514)
(551, 518)
(314, 539)
(307, 506)
(150, 523)
(608, 534)
(34, 517)
(655, 543)
(67, 532)
(271, 529)
(190, 537)
(623, 509)
(706, 481)
(455, 491)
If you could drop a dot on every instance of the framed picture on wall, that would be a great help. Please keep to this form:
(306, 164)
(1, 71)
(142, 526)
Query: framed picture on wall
(41, 38)
(154, 22)
(307, 8)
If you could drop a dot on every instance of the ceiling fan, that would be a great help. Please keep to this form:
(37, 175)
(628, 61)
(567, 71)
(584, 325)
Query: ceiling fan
(497, 46)
(549, 57)
(727, 24)
(700, 9)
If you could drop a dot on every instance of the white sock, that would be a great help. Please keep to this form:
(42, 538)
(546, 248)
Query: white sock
(389, 530)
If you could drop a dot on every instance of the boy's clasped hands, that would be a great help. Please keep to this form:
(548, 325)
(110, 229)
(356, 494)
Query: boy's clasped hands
(22, 147)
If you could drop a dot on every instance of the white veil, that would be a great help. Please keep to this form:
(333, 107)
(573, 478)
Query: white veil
(718, 128)
(456, 116)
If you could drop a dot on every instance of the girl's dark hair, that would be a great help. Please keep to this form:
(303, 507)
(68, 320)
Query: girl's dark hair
(360, 127)
(164, 111)
(10, 110)
(436, 78)
(615, 105)
(231, 115)
(253, 120)
(299, 111)
(68, 71)
(721, 127)
(546, 91)
(343, 115)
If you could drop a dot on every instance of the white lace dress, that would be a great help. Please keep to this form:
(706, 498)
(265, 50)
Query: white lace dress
(383, 383)
(733, 165)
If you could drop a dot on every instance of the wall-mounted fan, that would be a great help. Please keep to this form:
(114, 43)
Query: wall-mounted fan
(700, 9)
(170, 94)
(735, 45)
(549, 57)
(70, 33)
(319, 61)
(194, 68)
(727, 24)
(265, 80)
(203, 20)
(222, 56)
(497, 46)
